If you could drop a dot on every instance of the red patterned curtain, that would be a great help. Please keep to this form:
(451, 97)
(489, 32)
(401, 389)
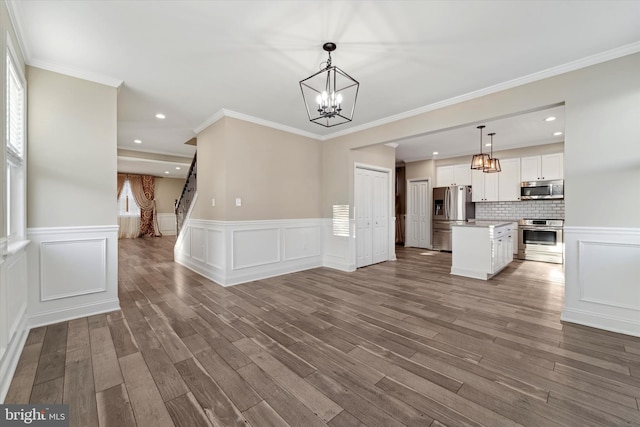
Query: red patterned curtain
(142, 187)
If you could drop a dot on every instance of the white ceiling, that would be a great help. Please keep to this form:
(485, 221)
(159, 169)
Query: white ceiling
(192, 59)
(153, 167)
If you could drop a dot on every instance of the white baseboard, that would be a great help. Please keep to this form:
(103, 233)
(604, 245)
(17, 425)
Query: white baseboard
(602, 266)
(10, 359)
(75, 312)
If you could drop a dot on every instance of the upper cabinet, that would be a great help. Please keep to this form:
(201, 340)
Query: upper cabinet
(485, 186)
(542, 168)
(453, 175)
(509, 180)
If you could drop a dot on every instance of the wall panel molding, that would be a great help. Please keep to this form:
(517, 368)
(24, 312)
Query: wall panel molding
(233, 252)
(71, 272)
(167, 223)
(602, 266)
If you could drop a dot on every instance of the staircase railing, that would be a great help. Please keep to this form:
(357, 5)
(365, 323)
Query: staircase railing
(183, 204)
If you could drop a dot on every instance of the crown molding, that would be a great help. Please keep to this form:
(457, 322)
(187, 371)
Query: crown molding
(73, 72)
(256, 120)
(14, 16)
(549, 72)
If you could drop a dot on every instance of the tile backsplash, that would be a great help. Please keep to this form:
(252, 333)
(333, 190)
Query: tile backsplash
(536, 209)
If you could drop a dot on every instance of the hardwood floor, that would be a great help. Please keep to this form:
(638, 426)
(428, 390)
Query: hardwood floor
(398, 343)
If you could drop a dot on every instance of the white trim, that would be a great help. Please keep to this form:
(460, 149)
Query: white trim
(75, 72)
(530, 78)
(66, 230)
(76, 312)
(12, 356)
(591, 300)
(143, 160)
(601, 321)
(13, 7)
(71, 297)
(221, 257)
(256, 120)
(520, 81)
(102, 284)
(187, 158)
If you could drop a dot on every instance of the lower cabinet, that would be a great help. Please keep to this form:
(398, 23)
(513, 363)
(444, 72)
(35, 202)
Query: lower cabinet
(481, 251)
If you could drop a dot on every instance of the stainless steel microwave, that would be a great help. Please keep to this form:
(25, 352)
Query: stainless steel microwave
(534, 190)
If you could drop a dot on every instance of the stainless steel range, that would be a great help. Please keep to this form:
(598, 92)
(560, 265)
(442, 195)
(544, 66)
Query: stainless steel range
(541, 240)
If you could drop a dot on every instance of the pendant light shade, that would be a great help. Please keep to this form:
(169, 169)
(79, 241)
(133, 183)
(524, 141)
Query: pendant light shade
(330, 94)
(480, 161)
(494, 164)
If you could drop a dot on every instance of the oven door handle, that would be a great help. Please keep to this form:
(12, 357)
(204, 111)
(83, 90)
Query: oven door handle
(540, 229)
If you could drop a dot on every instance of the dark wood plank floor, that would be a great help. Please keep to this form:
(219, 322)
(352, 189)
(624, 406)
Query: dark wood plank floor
(398, 343)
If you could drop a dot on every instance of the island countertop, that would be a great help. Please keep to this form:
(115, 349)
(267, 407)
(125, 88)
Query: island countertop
(484, 223)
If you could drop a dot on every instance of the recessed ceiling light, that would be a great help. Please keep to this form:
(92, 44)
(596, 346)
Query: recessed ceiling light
(167, 172)
(435, 153)
(557, 133)
(160, 116)
(177, 168)
(137, 141)
(549, 119)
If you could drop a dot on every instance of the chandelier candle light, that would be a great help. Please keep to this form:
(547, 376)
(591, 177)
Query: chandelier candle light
(480, 161)
(330, 94)
(494, 164)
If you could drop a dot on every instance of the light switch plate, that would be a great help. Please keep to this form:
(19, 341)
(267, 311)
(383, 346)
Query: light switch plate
(238, 201)
(213, 203)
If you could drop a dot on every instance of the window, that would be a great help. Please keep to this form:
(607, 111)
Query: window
(127, 203)
(16, 149)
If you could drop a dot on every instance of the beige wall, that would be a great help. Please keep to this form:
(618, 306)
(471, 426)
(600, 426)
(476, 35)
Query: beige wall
(71, 151)
(276, 174)
(167, 190)
(602, 154)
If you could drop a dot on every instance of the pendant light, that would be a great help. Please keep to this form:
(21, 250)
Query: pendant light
(480, 161)
(330, 94)
(494, 164)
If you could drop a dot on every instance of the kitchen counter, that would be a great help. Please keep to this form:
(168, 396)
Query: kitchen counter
(485, 223)
(481, 249)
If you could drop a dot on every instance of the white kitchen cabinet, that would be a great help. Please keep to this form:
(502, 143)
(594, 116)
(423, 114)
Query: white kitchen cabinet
(509, 180)
(481, 249)
(542, 168)
(453, 175)
(484, 186)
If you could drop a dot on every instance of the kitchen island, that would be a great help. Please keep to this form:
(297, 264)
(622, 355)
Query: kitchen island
(481, 249)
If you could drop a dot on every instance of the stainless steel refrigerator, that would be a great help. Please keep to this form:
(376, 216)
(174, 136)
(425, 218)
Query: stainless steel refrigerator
(451, 205)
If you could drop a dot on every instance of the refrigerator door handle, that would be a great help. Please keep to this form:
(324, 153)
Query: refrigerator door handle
(447, 196)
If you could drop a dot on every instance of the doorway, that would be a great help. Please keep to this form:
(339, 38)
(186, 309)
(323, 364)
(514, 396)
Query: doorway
(372, 201)
(418, 229)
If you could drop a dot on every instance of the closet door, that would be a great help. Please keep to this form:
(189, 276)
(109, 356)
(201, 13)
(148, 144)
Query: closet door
(372, 216)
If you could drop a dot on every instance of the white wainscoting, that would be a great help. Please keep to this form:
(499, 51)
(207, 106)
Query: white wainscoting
(13, 319)
(602, 278)
(233, 252)
(72, 272)
(167, 224)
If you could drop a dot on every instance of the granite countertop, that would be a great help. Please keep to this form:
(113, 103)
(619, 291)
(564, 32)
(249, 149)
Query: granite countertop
(484, 223)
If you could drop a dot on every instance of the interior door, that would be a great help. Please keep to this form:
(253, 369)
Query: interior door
(419, 230)
(364, 217)
(372, 198)
(380, 209)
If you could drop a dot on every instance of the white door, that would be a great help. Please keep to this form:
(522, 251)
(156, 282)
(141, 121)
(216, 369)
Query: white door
(418, 225)
(372, 195)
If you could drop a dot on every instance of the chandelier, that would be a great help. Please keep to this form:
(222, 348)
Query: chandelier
(330, 94)
(480, 161)
(494, 164)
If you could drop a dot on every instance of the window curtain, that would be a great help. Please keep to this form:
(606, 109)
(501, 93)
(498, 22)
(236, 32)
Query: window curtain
(142, 187)
(121, 179)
